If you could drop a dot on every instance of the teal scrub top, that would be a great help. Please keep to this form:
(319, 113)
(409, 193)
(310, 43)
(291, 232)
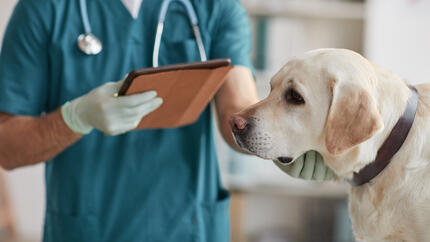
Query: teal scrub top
(148, 185)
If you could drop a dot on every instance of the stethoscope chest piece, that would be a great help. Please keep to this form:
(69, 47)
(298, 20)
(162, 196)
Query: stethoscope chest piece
(89, 44)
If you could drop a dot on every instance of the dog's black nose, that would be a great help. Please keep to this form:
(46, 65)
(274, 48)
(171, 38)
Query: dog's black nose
(238, 124)
(285, 160)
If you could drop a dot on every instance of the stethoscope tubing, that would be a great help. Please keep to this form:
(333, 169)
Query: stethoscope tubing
(84, 16)
(160, 26)
(90, 41)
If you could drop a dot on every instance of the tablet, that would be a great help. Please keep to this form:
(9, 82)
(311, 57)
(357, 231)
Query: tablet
(186, 90)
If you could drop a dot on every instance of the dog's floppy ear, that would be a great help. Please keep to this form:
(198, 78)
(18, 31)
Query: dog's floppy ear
(352, 119)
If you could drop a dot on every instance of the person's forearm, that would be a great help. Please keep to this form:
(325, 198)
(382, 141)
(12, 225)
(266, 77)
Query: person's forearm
(237, 93)
(26, 140)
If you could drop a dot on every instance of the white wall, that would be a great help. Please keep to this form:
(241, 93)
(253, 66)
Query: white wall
(398, 37)
(290, 37)
(25, 185)
(6, 7)
(27, 194)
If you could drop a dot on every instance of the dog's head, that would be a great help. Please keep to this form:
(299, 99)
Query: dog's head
(323, 101)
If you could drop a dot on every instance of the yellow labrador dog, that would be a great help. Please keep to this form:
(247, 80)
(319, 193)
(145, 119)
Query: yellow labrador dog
(336, 102)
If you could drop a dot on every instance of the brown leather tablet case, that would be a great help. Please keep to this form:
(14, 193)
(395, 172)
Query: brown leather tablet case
(186, 90)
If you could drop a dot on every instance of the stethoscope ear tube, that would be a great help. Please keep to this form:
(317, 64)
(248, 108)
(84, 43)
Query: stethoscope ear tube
(199, 41)
(157, 44)
(194, 23)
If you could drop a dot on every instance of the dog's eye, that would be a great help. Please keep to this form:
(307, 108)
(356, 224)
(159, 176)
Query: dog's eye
(294, 97)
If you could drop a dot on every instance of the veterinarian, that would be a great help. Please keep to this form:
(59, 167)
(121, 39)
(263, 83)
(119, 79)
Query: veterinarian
(59, 65)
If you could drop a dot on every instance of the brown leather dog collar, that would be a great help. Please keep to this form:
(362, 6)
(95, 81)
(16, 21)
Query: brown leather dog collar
(391, 145)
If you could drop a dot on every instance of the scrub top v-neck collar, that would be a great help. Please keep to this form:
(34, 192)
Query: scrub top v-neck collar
(133, 7)
(124, 9)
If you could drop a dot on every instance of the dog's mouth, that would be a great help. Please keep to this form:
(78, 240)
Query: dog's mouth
(285, 160)
(253, 144)
(260, 150)
(238, 141)
(244, 145)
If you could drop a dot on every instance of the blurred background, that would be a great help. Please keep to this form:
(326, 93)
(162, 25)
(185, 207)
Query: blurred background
(267, 205)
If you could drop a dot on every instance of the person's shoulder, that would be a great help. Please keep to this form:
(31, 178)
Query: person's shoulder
(44, 7)
(224, 5)
(34, 14)
(40, 7)
(222, 9)
(230, 10)
(230, 4)
(220, 2)
(35, 3)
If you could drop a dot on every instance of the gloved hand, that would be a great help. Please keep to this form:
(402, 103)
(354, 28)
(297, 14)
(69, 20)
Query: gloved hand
(101, 109)
(309, 166)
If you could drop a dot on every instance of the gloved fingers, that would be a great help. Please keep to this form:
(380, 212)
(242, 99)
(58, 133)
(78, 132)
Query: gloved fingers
(123, 127)
(138, 112)
(120, 122)
(329, 175)
(295, 168)
(135, 99)
(150, 106)
(119, 131)
(309, 165)
(110, 88)
(320, 169)
(117, 85)
(129, 123)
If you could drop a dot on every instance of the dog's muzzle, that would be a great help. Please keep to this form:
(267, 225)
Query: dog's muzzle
(249, 137)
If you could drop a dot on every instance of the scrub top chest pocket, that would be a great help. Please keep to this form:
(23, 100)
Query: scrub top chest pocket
(178, 43)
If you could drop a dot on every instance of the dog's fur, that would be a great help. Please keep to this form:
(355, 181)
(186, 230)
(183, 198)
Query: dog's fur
(351, 105)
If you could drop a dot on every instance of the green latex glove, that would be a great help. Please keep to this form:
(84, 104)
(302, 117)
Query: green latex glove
(309, 166)
(101, 109)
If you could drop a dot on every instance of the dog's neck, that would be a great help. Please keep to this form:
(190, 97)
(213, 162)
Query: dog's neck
(391, 108)
(400, 192)
(391, 145)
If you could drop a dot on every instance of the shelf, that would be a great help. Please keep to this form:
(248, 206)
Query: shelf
(326, 9)
(286, 186)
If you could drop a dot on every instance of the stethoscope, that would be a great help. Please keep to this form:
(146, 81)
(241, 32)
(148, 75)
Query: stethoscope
(91, 45)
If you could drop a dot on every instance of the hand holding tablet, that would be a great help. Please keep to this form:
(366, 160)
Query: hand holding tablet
(186, 89)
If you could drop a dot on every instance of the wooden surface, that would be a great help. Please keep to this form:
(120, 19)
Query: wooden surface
(236, 209)
(6, 219)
